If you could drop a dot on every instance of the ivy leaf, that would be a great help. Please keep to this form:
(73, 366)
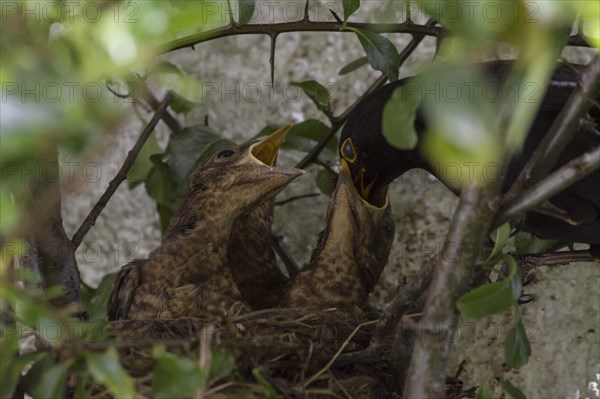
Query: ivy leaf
(512, 390)
(350, 7)
(326, 181)
(106, 369)
(381, 53)
(399, 116)
(175, 377)
(51, 381)
(316, 92)
(354, 65)
(245, 11)
(516, 345)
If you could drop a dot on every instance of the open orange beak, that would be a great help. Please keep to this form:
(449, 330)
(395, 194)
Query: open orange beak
(266, 150)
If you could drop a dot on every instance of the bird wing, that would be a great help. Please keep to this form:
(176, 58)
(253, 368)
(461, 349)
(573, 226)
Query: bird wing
(127, 281)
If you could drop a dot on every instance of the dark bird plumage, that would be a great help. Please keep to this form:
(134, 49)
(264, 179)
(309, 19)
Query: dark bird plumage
(374, 163)
(188, 274)
(350, 255)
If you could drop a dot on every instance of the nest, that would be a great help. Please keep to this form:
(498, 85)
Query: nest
(295, 351)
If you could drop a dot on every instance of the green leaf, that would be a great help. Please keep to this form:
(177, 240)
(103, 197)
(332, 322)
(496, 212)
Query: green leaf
(399, 116)
(354, 65)
(267, 389)
(222, 364)
(483, 393)
(317, 93)
(350, 7)
(106, 369)
(182, 105)
(96, 307)
(382, 54)
(486, 300)
(500, 237)
(512, 390)
(190, 146)
(51, 382)
(516, 345)
(142, 164)
(526, 243)
(175, 377)
(161, 188)
(12, 365)
(326, 181)
(245, 11)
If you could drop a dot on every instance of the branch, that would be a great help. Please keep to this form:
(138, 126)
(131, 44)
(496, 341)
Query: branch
(561, 132)
(90, 220)
(296, 26)
(562, 178)
(305, 25)
(50, 249)
(295, 198)
(426, 374)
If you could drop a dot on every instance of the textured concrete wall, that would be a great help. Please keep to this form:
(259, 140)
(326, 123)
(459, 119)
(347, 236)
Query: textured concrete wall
(563, 321)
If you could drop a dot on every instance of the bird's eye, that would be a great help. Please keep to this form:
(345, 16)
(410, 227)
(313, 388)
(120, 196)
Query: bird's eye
(347, 151)
(389, 229)
(225, 154)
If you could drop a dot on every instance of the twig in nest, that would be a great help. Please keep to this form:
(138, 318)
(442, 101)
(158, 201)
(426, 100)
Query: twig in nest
(342, 347)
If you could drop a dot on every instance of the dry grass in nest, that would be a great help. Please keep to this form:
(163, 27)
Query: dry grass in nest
(293, 349)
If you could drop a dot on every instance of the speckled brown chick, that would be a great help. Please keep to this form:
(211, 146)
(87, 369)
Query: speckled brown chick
(350, 255)
(188, 274)
(250, 256)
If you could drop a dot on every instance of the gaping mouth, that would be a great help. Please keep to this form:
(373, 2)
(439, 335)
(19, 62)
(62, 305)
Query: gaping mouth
(374, 198)
(266, 150)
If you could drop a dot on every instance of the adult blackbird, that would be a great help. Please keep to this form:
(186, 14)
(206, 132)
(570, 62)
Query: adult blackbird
(374, 163)
(350, 255)
(188, 274)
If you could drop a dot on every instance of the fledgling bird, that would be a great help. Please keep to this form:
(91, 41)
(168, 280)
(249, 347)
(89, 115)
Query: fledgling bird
(188, 274)
(350, 255)
(374, 163)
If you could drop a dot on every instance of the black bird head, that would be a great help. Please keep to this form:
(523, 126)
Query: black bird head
(373, 163)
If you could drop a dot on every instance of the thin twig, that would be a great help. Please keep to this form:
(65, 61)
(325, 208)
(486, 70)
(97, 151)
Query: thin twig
(295, 198)
(339, 351)
(290, 265)
(562, 178)
(561, 132)
(90, 220)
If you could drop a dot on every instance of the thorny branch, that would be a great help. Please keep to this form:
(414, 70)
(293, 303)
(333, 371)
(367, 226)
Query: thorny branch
(90, 220)
(306, 25)
(296, 26)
